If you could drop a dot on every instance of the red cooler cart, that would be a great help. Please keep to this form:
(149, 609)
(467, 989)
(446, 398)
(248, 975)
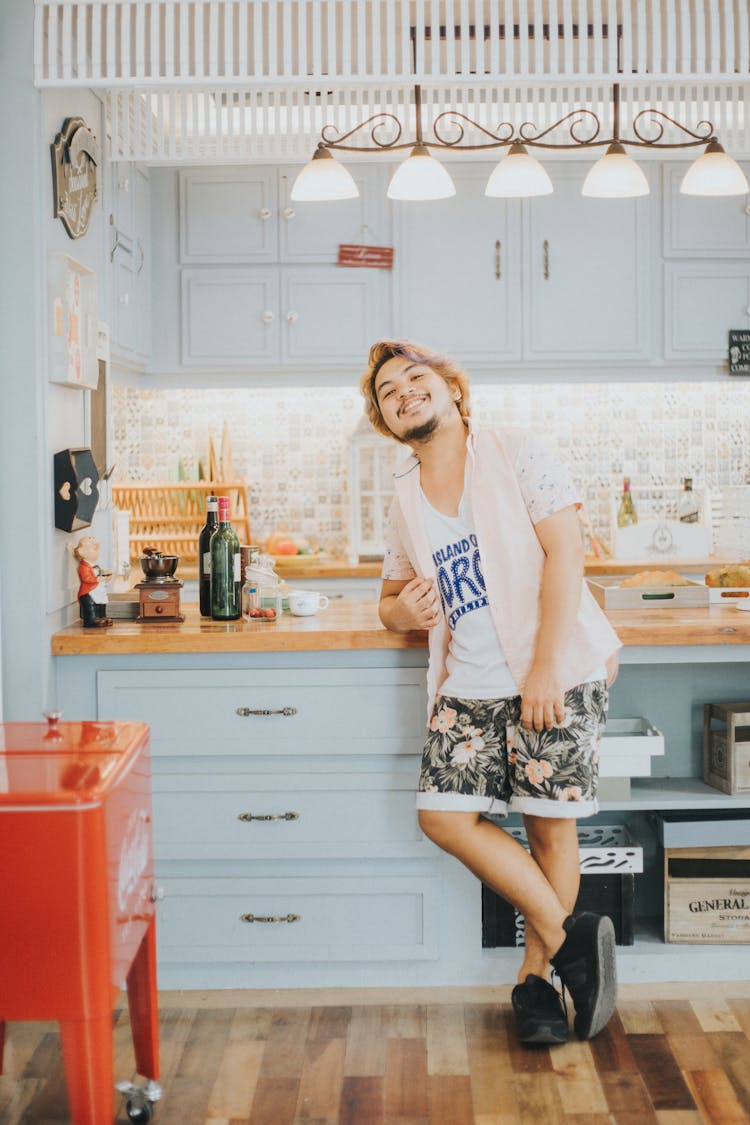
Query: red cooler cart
(77, 894)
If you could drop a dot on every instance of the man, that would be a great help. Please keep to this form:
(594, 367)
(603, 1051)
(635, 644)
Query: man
(484, 551)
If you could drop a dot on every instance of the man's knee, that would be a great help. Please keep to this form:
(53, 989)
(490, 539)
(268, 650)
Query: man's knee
(545, 831)
(441, 826)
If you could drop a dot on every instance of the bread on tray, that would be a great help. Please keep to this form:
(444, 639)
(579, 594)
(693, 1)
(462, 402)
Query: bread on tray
(655, 578)
(736, 575)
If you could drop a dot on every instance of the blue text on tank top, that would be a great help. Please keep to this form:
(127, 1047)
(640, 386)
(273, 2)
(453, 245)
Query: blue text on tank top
(460, 578)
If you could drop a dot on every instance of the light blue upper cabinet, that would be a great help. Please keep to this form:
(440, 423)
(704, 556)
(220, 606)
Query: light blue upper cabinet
(312, 232)
(587, 274)
(458, 271)
(129, 254)
(703, 227)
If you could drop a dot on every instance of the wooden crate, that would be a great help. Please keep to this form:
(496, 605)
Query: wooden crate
(707, 895)
(170, 515)
(726, 747)
(610, 595)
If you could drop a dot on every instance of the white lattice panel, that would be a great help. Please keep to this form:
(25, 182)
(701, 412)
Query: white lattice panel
(282, 42)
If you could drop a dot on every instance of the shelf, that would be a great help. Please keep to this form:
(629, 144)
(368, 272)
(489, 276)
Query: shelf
(675, 793)
(652, 959)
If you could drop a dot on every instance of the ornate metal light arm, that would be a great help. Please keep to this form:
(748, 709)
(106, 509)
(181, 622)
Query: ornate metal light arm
(506, 134)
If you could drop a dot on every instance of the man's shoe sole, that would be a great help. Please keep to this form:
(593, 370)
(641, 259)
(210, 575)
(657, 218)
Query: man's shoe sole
(545, 1033)
(606, 997)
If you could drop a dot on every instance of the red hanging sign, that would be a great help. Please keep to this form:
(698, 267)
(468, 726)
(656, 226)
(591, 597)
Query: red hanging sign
(374, 257)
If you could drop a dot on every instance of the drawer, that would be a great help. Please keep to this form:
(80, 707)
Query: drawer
(298, 711)
(266, 816)
(377, 918)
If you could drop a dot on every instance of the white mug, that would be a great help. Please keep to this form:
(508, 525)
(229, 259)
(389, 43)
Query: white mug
(303, 603)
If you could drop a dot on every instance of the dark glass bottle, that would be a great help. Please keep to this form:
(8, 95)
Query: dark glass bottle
(226, 584)
(204, 555)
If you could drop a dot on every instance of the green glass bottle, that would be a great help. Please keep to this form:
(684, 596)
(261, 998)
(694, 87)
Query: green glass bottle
(226, 584)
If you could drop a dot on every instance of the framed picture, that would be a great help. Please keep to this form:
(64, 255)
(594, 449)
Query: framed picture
(73, 323)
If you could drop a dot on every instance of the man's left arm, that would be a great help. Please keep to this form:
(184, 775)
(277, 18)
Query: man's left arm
(542, 700)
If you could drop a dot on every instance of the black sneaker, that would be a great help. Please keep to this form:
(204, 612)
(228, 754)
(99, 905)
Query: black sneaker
(585, 963)
(540, 1011)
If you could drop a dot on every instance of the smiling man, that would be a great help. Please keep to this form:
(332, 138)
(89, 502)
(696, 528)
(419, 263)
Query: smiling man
(483, 550)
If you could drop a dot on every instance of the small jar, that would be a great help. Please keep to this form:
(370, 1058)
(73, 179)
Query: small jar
(250, 598)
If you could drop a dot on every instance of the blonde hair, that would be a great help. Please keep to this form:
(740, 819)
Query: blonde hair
(442, 365)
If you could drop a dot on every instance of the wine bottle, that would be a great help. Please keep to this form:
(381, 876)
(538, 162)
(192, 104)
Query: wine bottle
(204, 555)
(226, 582)
(688, 511)
(626, 513)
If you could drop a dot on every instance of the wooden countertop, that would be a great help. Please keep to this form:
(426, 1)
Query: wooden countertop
(349, 624)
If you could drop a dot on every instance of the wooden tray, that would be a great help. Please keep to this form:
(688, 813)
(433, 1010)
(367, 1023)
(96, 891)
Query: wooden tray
(610, 595)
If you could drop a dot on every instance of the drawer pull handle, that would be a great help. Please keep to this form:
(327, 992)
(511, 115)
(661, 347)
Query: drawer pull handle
(270, 917)
(243, 712)
(268, 816)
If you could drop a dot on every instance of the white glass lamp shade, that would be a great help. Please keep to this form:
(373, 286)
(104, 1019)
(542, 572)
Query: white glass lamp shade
(615, 176)
(323, 178)
(421, 177)
(714, 173)
(518, 175)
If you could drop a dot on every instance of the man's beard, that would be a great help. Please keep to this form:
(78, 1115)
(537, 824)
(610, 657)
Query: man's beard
(423, 432)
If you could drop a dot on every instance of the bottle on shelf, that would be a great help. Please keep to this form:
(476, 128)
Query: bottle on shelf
(626, 513)
(226, 580)
(204, 555)
(688, 510)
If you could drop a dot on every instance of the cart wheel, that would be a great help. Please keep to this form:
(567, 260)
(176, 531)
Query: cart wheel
(143, 1112)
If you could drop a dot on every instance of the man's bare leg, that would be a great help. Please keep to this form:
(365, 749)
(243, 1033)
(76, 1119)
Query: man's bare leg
(554, 846)
(505, 866)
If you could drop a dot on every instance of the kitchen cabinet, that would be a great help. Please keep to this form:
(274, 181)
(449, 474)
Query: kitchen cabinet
(702, 301)
(703, 227)
(558, 278)
(251, 278)
(286, 315)
(287, 833)
(587, 274)
(130, 261)
(458, 271)
(706, 245)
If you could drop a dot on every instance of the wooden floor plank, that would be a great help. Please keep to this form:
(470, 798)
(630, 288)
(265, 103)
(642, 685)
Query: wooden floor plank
(538, 1099)
(715, 1015)
(732, 1050)
(627, 1096)
(578, 1083)
(446, 1040)
(362, 1101)
(234, 1088)
(329, 1023)
(321, 1079)
(450, 1099)
(610, 1049)
(284, 1055)
(692, 1052)
(639, 1017)
(491, 1079)
(365, 1044)
(715, 1097)
(664, 1081)
(275, 1101)
(677, 1017)
(406, 1092)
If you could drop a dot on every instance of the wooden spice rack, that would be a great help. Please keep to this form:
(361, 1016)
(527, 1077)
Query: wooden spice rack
(170, 516)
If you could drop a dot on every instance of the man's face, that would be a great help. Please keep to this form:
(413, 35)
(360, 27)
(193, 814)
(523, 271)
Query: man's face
(413, 399)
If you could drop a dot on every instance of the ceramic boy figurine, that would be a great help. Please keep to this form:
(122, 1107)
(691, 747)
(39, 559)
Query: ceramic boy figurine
(92, 592)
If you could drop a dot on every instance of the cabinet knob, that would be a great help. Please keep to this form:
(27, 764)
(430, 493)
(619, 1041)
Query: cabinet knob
(124, 185)
(125, 299)
(747, 310)
(288, 212)
(747, 209)
(264, 214)
(292, 316)
(267, 317)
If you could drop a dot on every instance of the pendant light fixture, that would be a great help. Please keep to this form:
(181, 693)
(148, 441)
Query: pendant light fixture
(519, 174)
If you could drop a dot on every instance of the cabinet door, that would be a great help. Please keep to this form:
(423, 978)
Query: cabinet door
(329, 313)
(229, 316)
(703, 301)
(142, 264)
(700, 227)
(228, 215)
(458, 271)
(123, 191)
(312, 232)
(124, 314)
(587, 273)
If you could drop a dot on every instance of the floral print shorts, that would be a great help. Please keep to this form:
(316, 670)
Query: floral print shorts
(478, 757)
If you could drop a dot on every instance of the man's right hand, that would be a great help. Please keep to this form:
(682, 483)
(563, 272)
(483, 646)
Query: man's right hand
(416, 606)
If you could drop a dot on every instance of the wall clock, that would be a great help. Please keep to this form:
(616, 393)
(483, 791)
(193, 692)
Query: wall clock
(75, 156)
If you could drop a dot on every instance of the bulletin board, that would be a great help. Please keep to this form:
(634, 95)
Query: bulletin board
(73, 323)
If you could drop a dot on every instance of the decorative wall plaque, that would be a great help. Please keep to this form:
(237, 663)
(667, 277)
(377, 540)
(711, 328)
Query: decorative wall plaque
(75, 156)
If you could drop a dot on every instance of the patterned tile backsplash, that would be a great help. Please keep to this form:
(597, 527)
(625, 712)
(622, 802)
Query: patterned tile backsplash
(292, 445)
